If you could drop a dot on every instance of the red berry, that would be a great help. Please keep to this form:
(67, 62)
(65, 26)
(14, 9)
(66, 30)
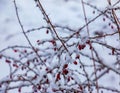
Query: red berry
(58, 77)
(47, 31)
(53, 90)
(65, 66)
(79, 47)
(65, 71)
(47, 81)
(112, 27)
(19, 89)
(39, 87)
(25, 51)
(34, 77)
(75, 62)
(38, 41)
(68, 78)
(91, 47)
(46, 69)
(15, 50)
(81, 88)
(113, 51)
(53, 42)
(83, 46)
(15, 65)
(55, 49)
(88, 42)
(7, 61)
(77, 56)
(28, 63)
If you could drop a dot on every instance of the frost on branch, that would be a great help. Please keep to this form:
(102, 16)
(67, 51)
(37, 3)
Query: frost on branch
(61, 58)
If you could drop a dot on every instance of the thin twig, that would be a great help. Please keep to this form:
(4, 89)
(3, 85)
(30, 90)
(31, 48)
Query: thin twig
(25, 33)
(47, 19)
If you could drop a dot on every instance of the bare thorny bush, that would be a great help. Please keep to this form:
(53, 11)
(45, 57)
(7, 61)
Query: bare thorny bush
(65, 64)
